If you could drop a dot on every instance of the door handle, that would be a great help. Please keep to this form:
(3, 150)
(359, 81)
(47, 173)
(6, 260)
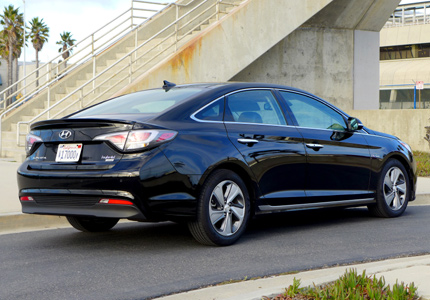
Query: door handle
(316, 147)
(248, 142)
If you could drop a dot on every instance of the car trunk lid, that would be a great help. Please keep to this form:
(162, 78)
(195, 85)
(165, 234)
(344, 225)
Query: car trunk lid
(68, 144)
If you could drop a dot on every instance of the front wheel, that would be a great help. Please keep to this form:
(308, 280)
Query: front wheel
(90, 224)
(393, 191)
(223, 210)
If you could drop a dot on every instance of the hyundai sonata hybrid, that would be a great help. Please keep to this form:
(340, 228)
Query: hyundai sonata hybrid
(211, 155)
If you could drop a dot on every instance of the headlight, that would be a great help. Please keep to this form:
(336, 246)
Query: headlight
(406, 146)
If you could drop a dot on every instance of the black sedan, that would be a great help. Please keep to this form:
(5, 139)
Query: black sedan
(211, 155)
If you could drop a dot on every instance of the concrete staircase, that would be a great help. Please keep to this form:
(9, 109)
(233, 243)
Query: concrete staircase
(200, 47)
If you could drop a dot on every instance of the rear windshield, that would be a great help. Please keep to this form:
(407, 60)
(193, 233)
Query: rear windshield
(145, 102)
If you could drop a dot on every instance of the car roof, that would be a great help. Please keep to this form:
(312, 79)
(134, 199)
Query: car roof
(238, 85)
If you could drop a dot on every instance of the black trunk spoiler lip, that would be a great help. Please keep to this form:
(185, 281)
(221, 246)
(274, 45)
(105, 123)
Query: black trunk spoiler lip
(89, 122)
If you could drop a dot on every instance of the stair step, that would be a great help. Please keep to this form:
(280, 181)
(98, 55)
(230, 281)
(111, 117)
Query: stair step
(17, 153)
(115, 77)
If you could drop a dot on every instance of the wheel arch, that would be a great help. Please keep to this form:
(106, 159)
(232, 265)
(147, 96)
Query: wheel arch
(404, 161)
(240, 169)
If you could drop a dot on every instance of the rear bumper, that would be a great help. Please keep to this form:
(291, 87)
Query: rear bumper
(69, 202)
(97, 210)
(158, 192)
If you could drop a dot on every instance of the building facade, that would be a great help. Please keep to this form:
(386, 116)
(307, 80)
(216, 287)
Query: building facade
(405, 58)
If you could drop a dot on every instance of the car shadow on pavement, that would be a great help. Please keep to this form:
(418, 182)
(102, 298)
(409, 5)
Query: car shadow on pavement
(309, 218)
(317, 220)
(134, 236)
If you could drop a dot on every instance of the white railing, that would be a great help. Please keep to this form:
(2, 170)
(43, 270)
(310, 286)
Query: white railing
(170, 36)
(85, 50)
(410, 14)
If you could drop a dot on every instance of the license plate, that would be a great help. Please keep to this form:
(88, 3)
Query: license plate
(68, 152)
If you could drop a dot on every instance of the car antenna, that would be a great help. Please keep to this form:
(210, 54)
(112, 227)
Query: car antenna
(168, 85)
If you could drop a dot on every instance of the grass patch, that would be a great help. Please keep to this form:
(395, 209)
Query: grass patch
(423, 163)
(351, 286)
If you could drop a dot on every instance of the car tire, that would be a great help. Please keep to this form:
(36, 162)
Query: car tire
(89, 224)
(221, 217)
(393, 191)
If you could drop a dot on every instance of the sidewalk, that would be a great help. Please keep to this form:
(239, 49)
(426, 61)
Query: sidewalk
(410, 269)
(11, 218)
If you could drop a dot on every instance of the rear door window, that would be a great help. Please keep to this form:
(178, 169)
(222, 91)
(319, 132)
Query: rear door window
(254, 106)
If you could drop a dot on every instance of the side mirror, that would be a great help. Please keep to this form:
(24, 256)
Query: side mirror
(354, 124)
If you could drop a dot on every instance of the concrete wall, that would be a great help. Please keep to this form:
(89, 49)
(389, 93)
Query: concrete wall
(227, 47)
(334, 55)
(366, 69)
(405, 35)
(407, 124)
(339, 65)
(319, 60)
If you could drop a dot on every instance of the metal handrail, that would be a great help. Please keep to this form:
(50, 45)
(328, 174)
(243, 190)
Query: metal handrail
(409, 14)
(132, 58)
(8, 93)
(95, 50)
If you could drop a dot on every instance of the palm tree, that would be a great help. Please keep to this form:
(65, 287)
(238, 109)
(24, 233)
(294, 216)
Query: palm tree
(16, 54)
(3, 54)
(66, 42)
(3, 44)
(39, 34)
(13, 26)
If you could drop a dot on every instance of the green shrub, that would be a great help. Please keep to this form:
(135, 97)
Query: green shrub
(423, 163)
(350, 286)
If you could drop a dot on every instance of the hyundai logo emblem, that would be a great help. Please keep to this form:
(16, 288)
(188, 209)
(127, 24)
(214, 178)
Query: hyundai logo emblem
(65, 134)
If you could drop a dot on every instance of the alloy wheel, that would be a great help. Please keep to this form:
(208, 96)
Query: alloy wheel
(394, 188)
(227, 208)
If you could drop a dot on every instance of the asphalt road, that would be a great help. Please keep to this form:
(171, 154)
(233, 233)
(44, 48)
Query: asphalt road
(141, 261)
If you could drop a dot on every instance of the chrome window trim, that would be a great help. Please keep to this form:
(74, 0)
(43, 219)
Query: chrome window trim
(259, 124)
(193, 116)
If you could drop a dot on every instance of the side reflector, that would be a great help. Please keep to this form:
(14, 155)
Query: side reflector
(115, 201)
(26, 198)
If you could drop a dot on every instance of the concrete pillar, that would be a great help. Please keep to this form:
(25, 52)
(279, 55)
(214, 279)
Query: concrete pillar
(366, 69)
(393, 95)
(318, 60)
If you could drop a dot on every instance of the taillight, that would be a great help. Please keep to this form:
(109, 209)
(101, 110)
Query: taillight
(30, 140)
(137, 139)
(26, 198)
(115, 201)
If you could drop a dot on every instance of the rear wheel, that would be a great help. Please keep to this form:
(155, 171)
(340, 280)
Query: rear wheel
(90, 224)
(223, 210)
(393, 191)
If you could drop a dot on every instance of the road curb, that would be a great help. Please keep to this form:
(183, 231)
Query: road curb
(422, 199)
(254, 289)
(18, 222)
